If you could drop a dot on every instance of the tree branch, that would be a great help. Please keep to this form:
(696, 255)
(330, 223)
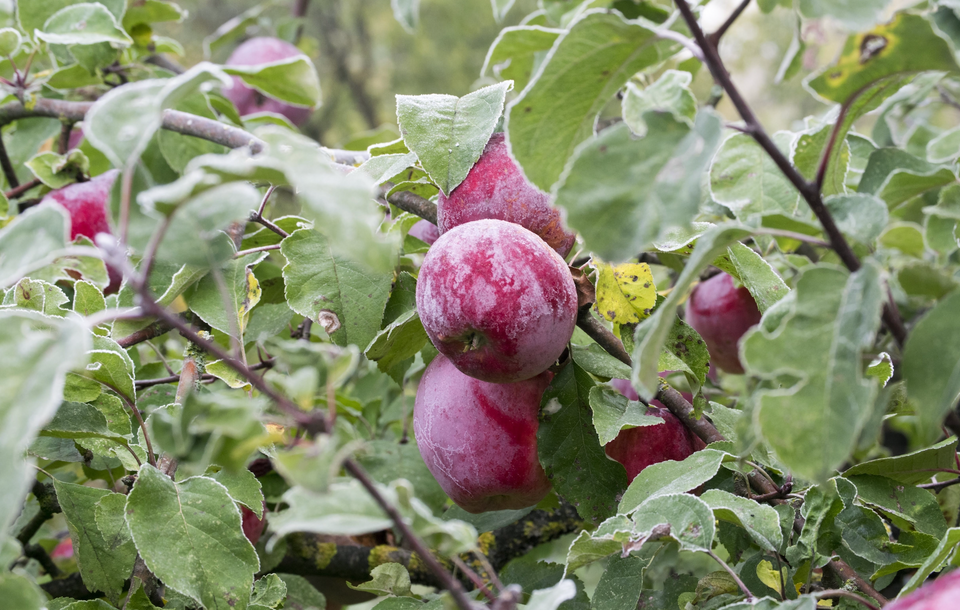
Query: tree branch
(415, 204)
(8, 170)
(809, 191)
(716, 36)
(49, 506)
(23, 188)
(146, 334)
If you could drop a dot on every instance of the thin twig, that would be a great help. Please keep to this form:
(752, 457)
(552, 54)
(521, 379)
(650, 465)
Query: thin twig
(259, 249)
(66, 128)
(415, 204)
(299, 12)
(732, 574)
(481, 586)
(808, 190)
(23, 188)
(792, 235)
(146, 334)
(832, 593)
(206, 377)
(716, 36)
(940, 484)
(8, 170)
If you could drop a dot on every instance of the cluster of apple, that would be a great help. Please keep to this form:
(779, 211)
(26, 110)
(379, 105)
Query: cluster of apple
(499, 304)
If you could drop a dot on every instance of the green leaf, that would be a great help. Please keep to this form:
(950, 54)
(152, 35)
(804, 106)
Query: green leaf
(612, 412)
(622, 193)
(387, 461)
(387, 579)
(104, 566)
(947, 548)
(904, 504)
(87, 298)
(401, 340)
(10, 40)
(35, 354)
(112, 366)
(690, 518)
(652, 333)
(906, 45)
(225, 296)
(830, 318)
(931, 365)
(610, 537)
(669, 93)
(57, 171)
(597, 361)
(488, 521)
(810, 148)
(744, 179)
(32, 15)
(911, 468)
(895, 176)
(346, 298)
(188, 533)
(448, 133)
(556, 111)
(517, 51)
(904, 236)
(670, 478)
(407, 13)
(765, 285)
(118, 548)
(858, 215)
(854, 16)
(31, 241)
(346, 509)
(179, 149)
(242, 485)
(269, 592)
(620, 585)
(570, 451)
(292, 80)
(152, 11)
(760, 521)
(121, 123)
(301, 595)
(21, 593)
(37, 295)
(80, 420)
(83, 24)
(550, 599)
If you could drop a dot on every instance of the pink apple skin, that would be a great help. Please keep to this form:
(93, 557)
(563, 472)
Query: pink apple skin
(496, 188)
(248, 100)
(626, 388)
(425, 231)
(637, 448)
(63, 550)
(253, 526)
(496, 300)
(479, 439)
(942, 593)
(722, 314)
(86, 202)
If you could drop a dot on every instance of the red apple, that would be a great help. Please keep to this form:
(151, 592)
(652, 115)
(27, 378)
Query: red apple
(86, 202)
(248, 100)
(496, 300)
(637, 448)
(63, 550)
(425, 231)
(479, 439)
(253, 525)
(496, 188)
(940, 594)
(722, 313)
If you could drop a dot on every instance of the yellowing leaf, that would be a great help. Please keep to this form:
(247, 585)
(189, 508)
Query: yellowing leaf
(625, 293)
(250, 299)
(770, 576)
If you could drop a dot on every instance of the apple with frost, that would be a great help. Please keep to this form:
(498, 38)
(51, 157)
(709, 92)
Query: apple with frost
(496, 300)
(86, 203)
(479, 439)
(425, 231)
(262, 50)
(942, 593)
(496, 188)
(722, 313)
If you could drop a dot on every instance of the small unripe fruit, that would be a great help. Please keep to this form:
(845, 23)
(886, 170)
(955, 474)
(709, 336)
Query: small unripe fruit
(496, 188)
(86, 202)
(479, 439)
(940, 594)
(722, 313)
(496, 300)
(262, 50)
(253, 525)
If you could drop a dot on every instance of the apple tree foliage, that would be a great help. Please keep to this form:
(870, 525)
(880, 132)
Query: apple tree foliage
(263, 352)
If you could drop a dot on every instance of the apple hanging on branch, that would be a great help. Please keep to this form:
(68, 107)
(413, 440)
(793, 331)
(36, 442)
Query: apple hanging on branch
(722, 314)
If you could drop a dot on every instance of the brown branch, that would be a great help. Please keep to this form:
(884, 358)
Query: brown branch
(69, 586)
(162, 61)
(147, 383)
(66, 128)
(415, 204)
(49, 506)
(35, 551)
(716, 36)
(808, 190)
(940, 485)
(8, 170)
(23, 188)
(145, 334)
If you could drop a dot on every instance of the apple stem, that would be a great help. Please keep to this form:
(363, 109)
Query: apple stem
(732, 574)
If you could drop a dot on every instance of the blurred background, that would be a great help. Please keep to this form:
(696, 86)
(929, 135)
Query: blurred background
(365, 57)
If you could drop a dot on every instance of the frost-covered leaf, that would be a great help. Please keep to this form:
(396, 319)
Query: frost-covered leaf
(242, 485)
(346, 509)
(223, 299)
(669, 93)
(910, 468)
(815, 351)
(448, 133)
(85, 23)
(931, 365)
(57, 171)
(556, 111)
(387, 579)
(858, 215)
(344, 297)
(744, 179)
(292, 80)
(402, 339)
(597, 361)
(188, 533)
(670, 477)
(764, 283)
(895, 176)
(407, 13)
(622, 193)
(517, 51)
(31, 241)
(760, 521)
(612, 412)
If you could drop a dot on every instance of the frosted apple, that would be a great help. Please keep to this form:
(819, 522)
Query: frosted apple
(637, 448)
(253, 525)
(940, 594)
(86, 202)
(496, 300)
(496, 188)
(479, 439)
(722, 313)
(262, 50)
